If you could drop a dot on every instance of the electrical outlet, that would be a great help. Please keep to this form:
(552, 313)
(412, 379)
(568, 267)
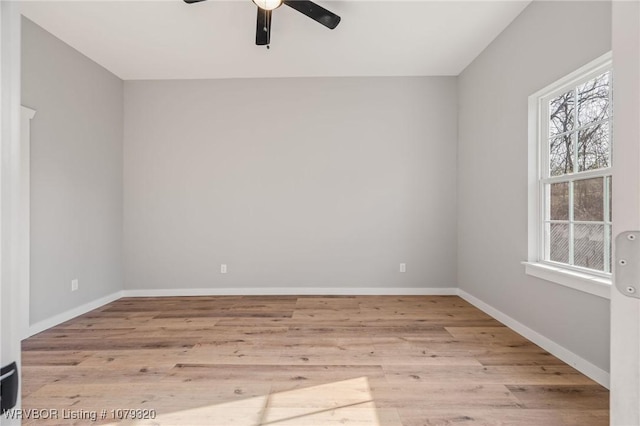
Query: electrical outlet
(223, 268)
(403, 267)
(74, 284)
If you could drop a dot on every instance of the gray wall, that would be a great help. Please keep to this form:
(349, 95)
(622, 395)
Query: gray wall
(76, 174)
(291, 182)
(492, 152)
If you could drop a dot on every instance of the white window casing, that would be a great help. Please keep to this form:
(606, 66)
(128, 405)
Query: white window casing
(538, 264)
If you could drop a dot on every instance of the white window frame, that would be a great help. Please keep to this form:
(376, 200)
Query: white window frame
(583, 279)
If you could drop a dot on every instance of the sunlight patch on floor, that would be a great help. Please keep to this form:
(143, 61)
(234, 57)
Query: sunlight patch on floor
(347, 402)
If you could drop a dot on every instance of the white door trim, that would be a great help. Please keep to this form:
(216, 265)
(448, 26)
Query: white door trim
(9, 186)
(625, 311)
(24, 224)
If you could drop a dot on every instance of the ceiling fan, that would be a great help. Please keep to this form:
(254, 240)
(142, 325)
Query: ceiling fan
(306, 7)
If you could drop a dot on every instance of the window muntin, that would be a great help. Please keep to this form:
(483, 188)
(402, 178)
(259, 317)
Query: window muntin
(575, 173)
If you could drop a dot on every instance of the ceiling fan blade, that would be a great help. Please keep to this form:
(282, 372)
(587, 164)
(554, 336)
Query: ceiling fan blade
(263, 27)
(315, 12)
(192, 1)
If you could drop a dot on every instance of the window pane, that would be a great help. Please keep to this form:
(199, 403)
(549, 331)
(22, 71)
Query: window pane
(593, 147)
(561, 114)
(589, 246)
(559, 242)
(561, 155)
(559, 203)
(588, 199)
(593, 100)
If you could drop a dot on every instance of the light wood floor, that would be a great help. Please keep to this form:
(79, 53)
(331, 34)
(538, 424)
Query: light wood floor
(313, 361)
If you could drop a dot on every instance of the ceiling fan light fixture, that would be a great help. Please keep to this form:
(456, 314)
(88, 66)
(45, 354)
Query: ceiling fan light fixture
(268, 4)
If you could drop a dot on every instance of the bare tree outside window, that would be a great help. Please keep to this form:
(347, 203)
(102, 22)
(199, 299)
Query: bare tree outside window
(591, 132)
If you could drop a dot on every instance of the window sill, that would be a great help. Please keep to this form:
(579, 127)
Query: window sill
(592, 284)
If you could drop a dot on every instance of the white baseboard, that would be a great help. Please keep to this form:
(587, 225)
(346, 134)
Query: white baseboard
(585, 367)
(295, 291)
(71, 313)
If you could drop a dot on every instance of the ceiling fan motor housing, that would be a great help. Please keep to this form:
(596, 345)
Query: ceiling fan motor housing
(306, 7)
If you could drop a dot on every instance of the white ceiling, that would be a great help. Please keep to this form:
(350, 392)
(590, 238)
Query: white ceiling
(216, 39)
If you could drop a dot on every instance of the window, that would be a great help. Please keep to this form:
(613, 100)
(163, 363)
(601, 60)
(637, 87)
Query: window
(570, 176)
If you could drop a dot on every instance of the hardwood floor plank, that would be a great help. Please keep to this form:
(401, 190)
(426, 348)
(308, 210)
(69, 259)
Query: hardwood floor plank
(523, 358)
(574, 397)
(506, 375)
(57, 358)
(449, 396)
(117, 360)
(96, 344)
